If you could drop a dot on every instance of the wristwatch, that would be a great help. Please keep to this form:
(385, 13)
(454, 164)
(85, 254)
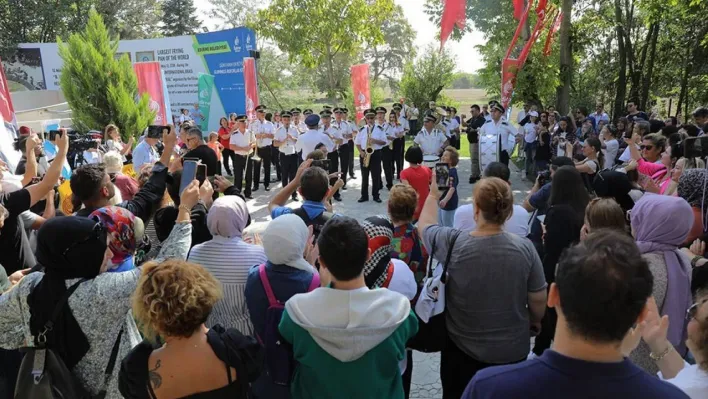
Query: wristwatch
(695, 260)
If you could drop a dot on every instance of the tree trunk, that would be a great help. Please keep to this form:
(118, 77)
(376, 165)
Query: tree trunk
(566, 59)
(646, 81)
(684, 82)
(622, 73)
(332, 85)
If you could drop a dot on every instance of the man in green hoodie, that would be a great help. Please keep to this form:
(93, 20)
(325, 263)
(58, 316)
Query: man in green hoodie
(347, 339)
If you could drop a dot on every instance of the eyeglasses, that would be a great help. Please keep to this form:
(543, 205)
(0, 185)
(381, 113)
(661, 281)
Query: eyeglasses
(646, 147)
(691, 312)
(94, 235)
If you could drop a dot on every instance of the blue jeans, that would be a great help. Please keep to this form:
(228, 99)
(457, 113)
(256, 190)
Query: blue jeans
(530, 150)
(446, 218)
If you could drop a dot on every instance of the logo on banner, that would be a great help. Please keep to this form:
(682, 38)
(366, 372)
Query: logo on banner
(248, 43)
(362, 99)
(204, 93)
(250, 106)
(237, 45)
(155, 107)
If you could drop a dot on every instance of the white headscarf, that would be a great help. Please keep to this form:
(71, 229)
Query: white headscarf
(284, 242)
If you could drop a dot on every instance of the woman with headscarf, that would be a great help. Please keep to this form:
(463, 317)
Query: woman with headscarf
(660, 224)
(74, 252)
(286, 242)
(229, 258)
(693, 187)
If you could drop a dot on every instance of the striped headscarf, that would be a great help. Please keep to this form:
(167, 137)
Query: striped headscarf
(379, 231)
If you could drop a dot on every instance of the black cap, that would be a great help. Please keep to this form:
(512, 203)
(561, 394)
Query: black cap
(285, 114)
(295, 111)
(370, 112)
(345, 110)
(430, 118)
(325, 113)
(241, 118)
(337, 110)
(397, 106)
(380, 110)
(261, 108)
(495, 105)
(307, 111)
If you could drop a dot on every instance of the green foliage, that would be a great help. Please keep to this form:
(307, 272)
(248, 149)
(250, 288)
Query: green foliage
(131, 19)
(180, 18)
(388, 58)
(233, 13)
(464, 80)
(427, 76)
(100, 89)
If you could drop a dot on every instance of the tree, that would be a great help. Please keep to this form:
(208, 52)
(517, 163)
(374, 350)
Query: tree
(131, 19)
(388, 58)
(100, 89)
(327, 29)
(427, 76)
(233, 13)
(179, 18)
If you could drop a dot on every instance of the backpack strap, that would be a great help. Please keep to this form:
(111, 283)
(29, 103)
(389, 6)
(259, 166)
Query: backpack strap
(443, 276)
(389, 275)
(266, 285)
(314, 283)
(111, 365)
(58, 308)
(303, 215)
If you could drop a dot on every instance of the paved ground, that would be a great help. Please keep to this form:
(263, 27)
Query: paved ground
(426, 379)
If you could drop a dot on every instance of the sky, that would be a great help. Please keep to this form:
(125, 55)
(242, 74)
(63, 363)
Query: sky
(468, 58)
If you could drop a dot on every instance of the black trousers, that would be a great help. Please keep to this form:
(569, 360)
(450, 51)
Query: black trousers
(345, 160)
(374, 170)
(457, 369)
(333, 158)
(351, 158)
(399, 145)
(288, 167)
(504, 157)
(227, 154)
(275, 159)
(548, 330)
(407, 375)
(455, 142)
(240, 167)
(387, 164)
(264, 153)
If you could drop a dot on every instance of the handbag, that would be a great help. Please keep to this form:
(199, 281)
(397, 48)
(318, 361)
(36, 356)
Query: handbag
(430, 308)
(44, 375)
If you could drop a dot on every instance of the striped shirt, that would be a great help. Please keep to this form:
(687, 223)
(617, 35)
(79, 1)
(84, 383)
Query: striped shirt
(229, 260)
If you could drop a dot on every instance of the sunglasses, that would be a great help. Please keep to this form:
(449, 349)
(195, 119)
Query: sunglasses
(646, 147)
(94, 235)
(691, 312)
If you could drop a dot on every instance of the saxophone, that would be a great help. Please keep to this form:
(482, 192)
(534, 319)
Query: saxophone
(369, 149)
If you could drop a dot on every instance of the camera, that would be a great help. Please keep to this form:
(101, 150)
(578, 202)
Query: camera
(321, 163)
(80, 142)
(544, 177)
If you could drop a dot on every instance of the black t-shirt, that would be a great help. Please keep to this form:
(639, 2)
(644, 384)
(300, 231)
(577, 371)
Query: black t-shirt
(638, 115)
(206, 155)
(15, 251)
(473, 126)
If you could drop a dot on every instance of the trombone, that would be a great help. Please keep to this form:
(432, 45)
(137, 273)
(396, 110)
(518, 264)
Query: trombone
(253, 154)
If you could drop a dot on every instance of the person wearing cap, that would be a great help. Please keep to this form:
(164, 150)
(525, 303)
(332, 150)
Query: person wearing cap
(373, 135)
(431, 140)
(386, 151)
(264, 132)
(530, 144)
(399, 143)
(346, 146)
(335, 135)
(275, 152)
(285, 141)
(473, 125)
(485, 112)
(523, 114)
(503, 130)
(353, 132)
(125, 184)
(308, 141)
(242, 143)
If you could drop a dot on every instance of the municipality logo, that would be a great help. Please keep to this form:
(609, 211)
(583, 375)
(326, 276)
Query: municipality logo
(204, 93)
(248, 43)
(237, 45)
(362, 98)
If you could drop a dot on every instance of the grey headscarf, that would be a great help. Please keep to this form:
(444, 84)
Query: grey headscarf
(284, 242)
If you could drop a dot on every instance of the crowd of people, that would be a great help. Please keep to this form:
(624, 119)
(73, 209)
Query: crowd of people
(594, 286)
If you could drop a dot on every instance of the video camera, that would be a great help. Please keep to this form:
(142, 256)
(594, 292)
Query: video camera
(77, 142)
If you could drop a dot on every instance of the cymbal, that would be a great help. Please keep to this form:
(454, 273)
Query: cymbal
(441, 111)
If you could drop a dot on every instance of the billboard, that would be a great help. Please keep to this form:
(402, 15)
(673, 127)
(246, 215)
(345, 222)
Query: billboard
(37, 66)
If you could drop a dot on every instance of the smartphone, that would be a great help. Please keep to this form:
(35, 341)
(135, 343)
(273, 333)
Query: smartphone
(189, 173)
(155, 131)
(442, 175)
(53, 134)
(695, 147)
(201, 173)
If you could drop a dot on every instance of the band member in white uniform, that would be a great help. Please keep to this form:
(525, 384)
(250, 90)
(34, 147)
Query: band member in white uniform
(500, 127)
(353, 130)
(286, 140)
(346, 132)
(264, 131)
(298, 125)
(399, 144)
(432, 141)
(453, 127)
(242, 143)
(308, 141)
(386, 151)
(335, 135)
(374, 136)
(275, 153)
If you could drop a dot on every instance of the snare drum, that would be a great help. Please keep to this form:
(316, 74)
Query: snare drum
(488, 150)
(430, 160)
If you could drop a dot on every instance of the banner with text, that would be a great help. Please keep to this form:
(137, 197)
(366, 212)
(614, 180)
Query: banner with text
(205, 87)
(360, 88)
(7, 111)
(37, 66)
(251, 83)
(150, 81)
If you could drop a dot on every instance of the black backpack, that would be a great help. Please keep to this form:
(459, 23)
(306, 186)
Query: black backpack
(316, 223)
(43, 374)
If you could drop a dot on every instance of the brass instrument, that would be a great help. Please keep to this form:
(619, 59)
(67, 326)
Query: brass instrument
(369, 149)
(390, 145)
(253, 154)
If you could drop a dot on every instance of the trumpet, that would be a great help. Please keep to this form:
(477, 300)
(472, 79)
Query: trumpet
(253, 154)
(369, 149)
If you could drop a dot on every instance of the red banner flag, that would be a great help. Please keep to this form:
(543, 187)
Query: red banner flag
(6, 109)
(551, 33)
(518, 9)
(360, 88)
(149, 76)
(251, 85)
(453, 14)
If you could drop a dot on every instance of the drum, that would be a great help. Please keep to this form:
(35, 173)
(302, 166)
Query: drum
(430, 160)
(488, 150)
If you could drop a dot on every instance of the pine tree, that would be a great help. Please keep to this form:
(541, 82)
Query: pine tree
(180, 18)
(100, 89)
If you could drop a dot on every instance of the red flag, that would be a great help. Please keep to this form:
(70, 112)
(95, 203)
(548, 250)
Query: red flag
(551, 33)
(6, 109)
(249, 80)
(360, 88)
(149, 76)
(453, 15)
(518, 9)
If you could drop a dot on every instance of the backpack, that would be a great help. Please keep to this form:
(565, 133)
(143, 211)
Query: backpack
(316, 223)
(43, 374)
(279, 360)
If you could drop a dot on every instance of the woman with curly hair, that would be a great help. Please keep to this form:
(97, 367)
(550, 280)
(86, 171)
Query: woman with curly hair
(173, 300)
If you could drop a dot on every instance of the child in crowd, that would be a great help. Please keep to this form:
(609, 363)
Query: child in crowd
(448, 203)
(214, 144)
(417, 176)
(354, 348)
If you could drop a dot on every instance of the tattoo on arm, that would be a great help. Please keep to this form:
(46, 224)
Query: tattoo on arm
(155, 377)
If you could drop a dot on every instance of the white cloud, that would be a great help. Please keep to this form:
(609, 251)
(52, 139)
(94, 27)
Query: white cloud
(468, 58)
